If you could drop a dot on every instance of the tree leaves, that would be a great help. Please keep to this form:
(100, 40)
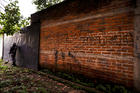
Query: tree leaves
(11, 20)
(42, 4)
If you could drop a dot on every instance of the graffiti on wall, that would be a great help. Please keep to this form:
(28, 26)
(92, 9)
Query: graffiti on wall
(113, 39)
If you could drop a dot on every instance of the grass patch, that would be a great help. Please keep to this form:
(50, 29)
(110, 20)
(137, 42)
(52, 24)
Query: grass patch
(21, 80)
(97, 84)
(3, 68)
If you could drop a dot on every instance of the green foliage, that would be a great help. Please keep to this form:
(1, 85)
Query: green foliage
(119, 89)
(0, 60)
(5, 83)
(42, 4)
(41, 90)
(101, 87)
(3, 68)
(11, 20)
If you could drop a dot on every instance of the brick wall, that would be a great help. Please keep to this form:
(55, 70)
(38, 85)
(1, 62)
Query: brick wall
(96, 41)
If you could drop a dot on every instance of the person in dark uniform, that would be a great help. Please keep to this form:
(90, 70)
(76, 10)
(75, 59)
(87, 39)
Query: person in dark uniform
(12, 52)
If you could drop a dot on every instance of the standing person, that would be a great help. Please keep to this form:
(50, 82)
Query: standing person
(12, 52)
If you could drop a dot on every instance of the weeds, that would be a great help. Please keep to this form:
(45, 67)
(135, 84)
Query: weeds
(97, 84)
(20, 80)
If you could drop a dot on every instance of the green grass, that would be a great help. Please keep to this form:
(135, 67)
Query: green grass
(22, 80)
(97, 84)
(3, 68)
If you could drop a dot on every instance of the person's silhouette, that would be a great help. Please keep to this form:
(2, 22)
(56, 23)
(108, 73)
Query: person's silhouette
(12, 52)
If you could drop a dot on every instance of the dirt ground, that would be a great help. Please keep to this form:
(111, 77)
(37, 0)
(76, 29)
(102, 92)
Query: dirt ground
(21, 80)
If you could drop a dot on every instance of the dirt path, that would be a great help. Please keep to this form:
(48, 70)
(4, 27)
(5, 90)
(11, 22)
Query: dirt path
(20, 80)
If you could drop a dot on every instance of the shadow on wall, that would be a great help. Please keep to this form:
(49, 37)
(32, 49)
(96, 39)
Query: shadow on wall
(91, 73)
(100, 69)
(22, 52)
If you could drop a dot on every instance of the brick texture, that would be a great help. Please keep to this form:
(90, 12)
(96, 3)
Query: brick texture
(97, 43)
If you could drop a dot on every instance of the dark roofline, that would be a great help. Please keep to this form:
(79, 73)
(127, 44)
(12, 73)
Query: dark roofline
(53, 6)
(36, 16)
(83, 7)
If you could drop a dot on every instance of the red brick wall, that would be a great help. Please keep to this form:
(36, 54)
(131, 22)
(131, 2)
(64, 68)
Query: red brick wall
(98, 44)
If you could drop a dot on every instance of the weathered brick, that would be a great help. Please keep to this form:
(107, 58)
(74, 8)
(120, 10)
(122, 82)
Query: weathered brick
(93, 44)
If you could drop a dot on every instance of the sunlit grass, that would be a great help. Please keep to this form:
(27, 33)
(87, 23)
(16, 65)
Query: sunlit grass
(3, 67)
